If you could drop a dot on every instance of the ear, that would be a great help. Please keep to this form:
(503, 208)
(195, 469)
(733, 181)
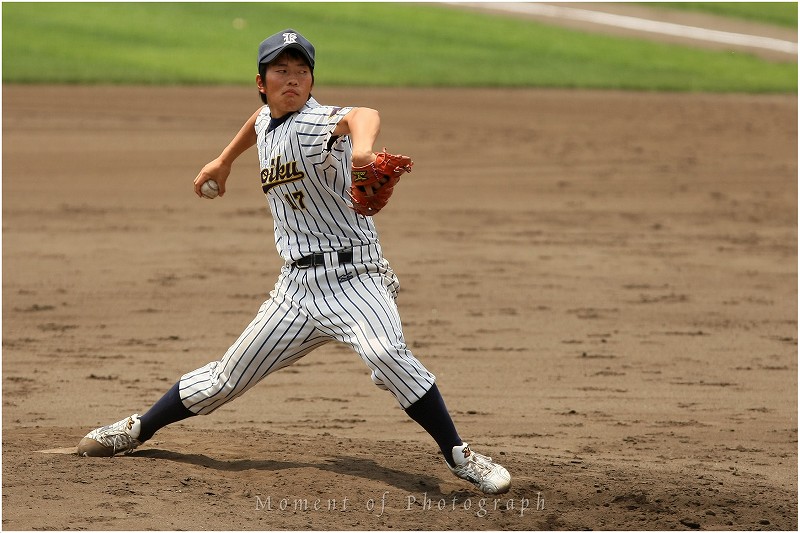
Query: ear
(262, 86)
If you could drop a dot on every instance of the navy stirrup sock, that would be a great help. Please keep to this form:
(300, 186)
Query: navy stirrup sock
(431, 413)
(165, 411)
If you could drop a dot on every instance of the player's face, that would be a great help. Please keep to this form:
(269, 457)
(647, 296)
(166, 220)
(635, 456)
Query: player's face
(288, 85)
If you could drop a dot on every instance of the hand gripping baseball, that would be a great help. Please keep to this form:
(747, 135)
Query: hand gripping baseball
(373, 184)
(216, 171)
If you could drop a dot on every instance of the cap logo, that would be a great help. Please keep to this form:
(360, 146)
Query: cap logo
(289, 38)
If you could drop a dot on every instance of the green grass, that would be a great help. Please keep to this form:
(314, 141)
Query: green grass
(779, 13)
(357, 44)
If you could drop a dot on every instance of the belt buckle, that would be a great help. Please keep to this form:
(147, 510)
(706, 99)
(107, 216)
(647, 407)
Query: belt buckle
(318, 259)
(302, 266)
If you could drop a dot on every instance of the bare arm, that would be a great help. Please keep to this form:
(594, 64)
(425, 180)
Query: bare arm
(363, 125)
(220, 168)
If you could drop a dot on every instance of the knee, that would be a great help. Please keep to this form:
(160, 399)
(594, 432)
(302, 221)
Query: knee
(378, 381)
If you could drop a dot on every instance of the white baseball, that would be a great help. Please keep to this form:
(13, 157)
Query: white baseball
(209, 189)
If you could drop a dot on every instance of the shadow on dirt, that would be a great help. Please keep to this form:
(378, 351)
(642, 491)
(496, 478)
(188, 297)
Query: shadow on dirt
(352, 466)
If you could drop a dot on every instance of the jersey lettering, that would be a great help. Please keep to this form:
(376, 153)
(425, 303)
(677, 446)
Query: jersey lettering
(279, 173)
(295, 200)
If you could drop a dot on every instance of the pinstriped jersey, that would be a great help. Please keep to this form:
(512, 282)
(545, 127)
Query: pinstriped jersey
(305, 175)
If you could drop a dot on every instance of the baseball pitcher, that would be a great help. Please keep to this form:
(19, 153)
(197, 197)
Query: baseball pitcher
(323, 183)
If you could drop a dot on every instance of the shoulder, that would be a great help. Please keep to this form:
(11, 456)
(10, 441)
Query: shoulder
(316, 113)
(314, 108)
(263, 118)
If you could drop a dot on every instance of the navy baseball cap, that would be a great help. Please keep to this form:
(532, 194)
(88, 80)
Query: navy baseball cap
(272, 46)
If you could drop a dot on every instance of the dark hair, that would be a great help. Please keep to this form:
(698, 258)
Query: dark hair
(291, 53)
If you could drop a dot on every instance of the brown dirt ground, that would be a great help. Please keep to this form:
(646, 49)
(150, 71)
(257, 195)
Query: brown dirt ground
(604, 283)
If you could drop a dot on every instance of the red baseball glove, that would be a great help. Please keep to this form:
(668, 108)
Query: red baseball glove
(373, 184)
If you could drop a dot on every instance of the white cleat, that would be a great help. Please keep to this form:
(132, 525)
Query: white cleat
(488, 476)
(108, 441)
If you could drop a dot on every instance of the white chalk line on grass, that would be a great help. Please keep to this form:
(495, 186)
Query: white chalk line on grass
(634, 23)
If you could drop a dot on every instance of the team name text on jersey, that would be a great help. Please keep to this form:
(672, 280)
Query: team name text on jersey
(279, 173)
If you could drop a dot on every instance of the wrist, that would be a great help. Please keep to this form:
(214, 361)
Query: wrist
(225, 160)
(362, 157)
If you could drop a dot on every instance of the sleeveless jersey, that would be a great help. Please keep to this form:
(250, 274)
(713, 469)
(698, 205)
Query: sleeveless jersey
(305, 175)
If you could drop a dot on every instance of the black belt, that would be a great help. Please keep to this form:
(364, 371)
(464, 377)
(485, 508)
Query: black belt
(318, 259)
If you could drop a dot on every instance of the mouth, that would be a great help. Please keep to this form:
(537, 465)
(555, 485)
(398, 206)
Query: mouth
(291, 92)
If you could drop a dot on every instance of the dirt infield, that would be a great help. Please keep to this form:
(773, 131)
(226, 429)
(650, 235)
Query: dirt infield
(605, 285)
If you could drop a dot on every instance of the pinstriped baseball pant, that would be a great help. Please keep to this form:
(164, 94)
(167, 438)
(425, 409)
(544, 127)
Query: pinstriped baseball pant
(350, 303)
